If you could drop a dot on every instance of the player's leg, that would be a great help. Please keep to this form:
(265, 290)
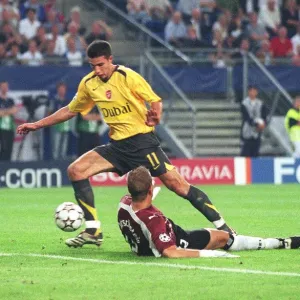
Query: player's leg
(64, 145)
(245, 148)
(55, 138)
(219, 239)
(255, 147)
(7, 139)
(10, 142)
(79, 171)
(211, 239)
(176, 183)
(144, 150)
(242, 242)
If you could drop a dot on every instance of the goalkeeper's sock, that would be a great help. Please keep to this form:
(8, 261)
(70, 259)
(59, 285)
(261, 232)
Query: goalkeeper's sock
(202, 203)
(290, 243)
(242, 242)
(85, 198)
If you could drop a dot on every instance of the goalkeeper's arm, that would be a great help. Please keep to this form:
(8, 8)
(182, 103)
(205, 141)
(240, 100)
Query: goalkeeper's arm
(174, 252)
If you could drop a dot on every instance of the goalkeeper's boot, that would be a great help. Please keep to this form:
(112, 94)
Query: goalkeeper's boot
(85, 238)
(290, 243)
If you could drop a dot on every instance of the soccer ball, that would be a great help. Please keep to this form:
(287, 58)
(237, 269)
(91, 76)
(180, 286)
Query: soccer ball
(69, 216)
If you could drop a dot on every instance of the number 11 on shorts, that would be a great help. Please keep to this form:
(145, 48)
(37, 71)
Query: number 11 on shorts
(153, 160)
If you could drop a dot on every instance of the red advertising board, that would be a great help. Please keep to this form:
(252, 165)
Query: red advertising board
(195, 171)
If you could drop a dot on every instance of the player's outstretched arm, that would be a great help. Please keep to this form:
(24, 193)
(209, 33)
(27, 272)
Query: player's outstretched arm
(59, 116)
(174, 252)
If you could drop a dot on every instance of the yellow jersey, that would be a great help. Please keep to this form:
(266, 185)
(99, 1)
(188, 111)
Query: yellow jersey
(121, 101)
(291, 124)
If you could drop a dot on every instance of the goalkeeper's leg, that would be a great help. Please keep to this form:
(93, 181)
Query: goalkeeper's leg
(242, 242)
(221, 239)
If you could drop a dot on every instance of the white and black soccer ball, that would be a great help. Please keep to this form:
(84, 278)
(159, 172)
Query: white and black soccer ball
(69, 216)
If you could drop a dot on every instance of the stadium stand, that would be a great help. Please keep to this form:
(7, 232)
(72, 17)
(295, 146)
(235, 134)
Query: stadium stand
(214, 34)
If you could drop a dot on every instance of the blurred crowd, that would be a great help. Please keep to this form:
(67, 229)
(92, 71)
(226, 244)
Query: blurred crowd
(268, 28)
(36, 33)
(64, 140)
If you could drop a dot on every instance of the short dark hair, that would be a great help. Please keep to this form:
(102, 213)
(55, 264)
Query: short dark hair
(139, 182)
(252, 87)
(60, 83)
(14, 44)
(99, 48)
(297, 98)
(30, 9)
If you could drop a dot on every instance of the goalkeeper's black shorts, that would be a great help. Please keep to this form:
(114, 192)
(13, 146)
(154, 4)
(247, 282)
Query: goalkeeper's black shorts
(191, 239)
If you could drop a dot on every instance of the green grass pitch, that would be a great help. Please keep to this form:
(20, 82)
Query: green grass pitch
(27, 227)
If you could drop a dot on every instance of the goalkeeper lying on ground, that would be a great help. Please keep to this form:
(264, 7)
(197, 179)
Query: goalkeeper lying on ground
(149, 232)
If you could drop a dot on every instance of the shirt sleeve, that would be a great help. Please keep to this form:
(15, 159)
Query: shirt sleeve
(82, 102)
(141, 88)
(161, 237)
(22, 28)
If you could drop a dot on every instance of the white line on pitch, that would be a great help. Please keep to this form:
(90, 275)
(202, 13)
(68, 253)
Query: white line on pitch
(153, 264)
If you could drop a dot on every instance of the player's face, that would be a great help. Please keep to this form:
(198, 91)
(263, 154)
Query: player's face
(102, 66)
(62, 89)
(252, 93)
(4, 87)
(297, 103)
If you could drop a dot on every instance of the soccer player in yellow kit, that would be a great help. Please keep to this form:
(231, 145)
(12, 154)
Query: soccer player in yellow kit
(121, 95)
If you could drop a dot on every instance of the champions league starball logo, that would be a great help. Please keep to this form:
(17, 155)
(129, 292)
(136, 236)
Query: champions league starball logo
(164, 237)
